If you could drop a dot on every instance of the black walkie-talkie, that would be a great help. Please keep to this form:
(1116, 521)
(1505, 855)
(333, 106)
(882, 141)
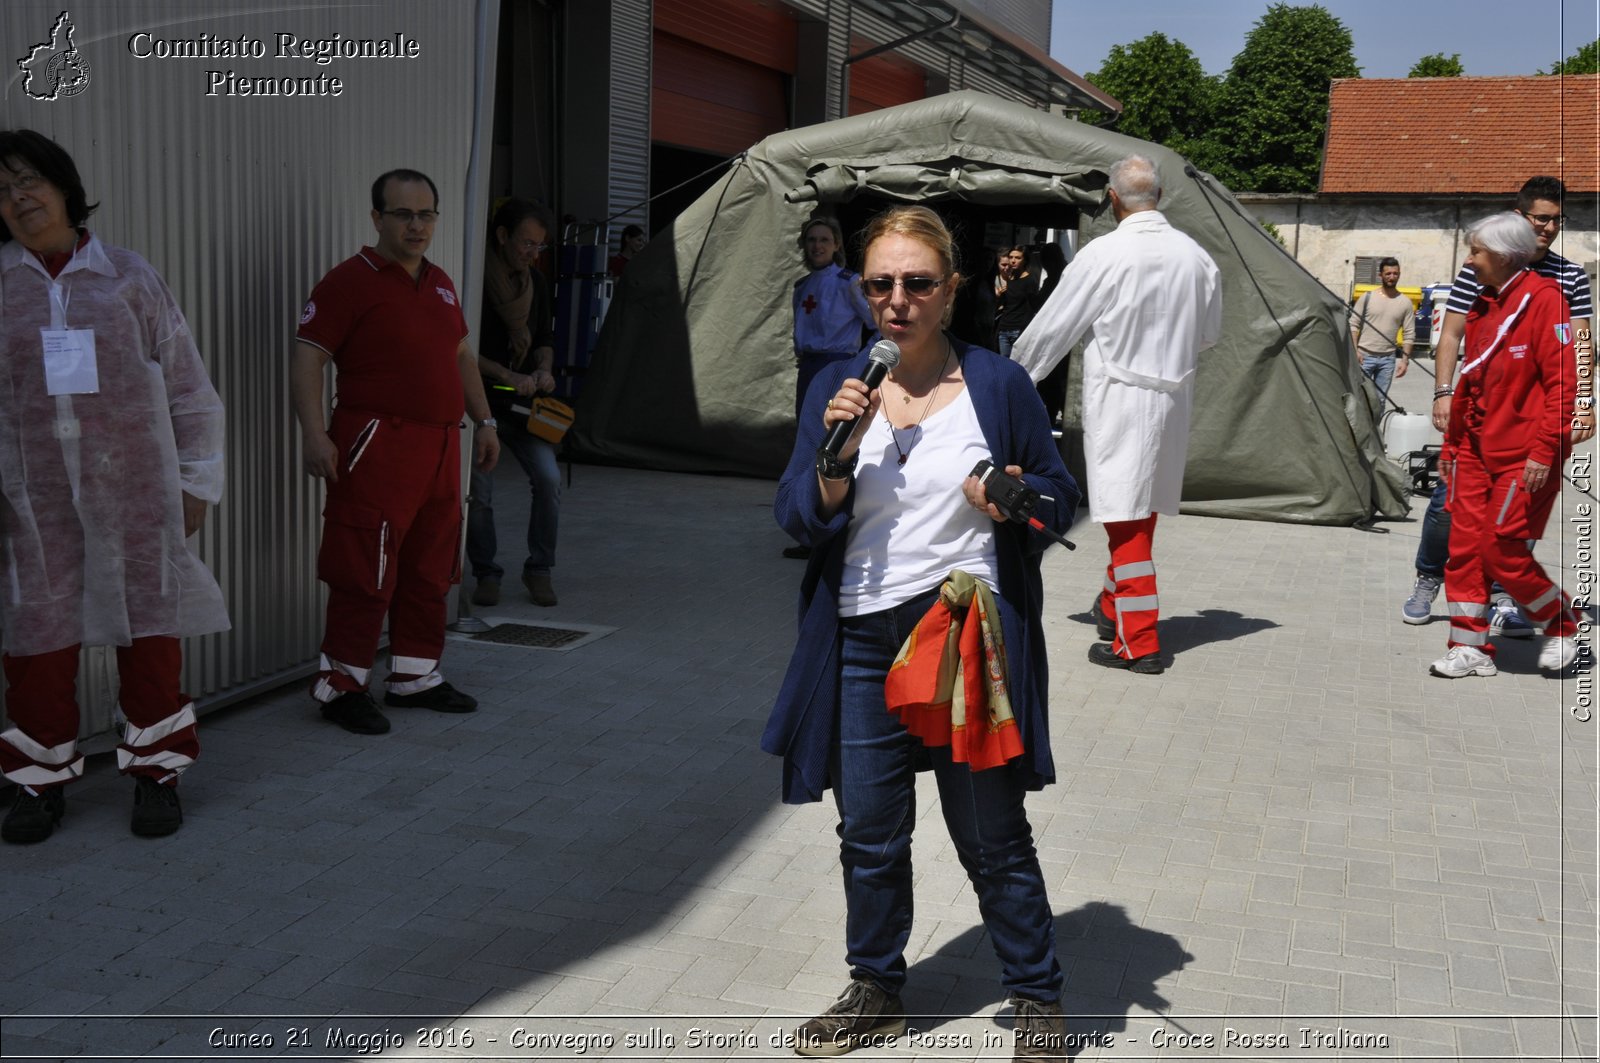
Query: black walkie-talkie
(1015, 499)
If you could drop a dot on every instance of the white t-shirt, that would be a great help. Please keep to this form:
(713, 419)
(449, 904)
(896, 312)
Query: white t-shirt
(912, 524)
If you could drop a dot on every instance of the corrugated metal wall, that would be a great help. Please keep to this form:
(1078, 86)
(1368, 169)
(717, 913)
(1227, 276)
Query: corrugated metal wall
(1029, 19)
(630, 115)
(242, 203)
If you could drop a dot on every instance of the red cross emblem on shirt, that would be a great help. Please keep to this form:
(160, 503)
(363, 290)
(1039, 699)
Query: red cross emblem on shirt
(810, 303)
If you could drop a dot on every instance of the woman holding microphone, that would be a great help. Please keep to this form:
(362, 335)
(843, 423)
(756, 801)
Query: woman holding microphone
(890, 518)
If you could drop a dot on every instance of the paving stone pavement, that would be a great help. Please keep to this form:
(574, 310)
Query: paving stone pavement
(1293, 844)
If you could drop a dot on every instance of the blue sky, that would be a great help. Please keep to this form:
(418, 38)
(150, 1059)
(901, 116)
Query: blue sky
(1493, 38)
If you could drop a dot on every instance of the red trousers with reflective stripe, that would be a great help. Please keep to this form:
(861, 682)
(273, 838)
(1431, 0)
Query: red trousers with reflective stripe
(391, 533)
(1129, 596)
(1492, 521)
(42, 704)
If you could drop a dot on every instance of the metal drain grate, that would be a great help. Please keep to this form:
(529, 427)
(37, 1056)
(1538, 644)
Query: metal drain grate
(531, 635)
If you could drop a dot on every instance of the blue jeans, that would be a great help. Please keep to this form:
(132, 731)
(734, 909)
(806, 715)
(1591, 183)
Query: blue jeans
(1380, 370)
(538, 461)
(874, 786)
(1004, 340)
(1433, 550)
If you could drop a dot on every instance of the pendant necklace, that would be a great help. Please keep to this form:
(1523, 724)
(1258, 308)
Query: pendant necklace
(938, 381)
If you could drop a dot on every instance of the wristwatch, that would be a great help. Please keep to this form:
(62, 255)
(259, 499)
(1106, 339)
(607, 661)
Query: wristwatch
(831, 468)
(1585, 403)
(489, 422)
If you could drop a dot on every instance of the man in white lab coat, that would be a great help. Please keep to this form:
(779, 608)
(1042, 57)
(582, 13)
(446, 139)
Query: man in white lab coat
(1151, 301)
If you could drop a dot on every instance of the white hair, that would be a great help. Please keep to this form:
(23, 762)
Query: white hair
(1136, 182)
(1505, 235)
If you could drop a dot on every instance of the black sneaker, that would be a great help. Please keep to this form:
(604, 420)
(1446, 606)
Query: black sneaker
(156, 810)
(863, 1015)
(797, 552)
(1105, 629)
(1106, 657)
(441, 698)
(34, 815)
(356, 712)
(1038, 1032)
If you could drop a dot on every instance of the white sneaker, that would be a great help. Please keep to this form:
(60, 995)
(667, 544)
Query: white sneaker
(1559, 651)
(1462, 661)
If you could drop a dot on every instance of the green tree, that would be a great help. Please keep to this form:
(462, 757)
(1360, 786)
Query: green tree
(1585, 60)
(1273, 107)
(1166, 96)
(1438, 65)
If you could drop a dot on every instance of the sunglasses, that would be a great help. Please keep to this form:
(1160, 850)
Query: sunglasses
(915, 286)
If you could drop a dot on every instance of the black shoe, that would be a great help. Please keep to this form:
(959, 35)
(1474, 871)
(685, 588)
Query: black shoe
(356, 712)
(1038, 1032)
(1106, 657)
(487, 592)
(34, 815)
(863, 1015)
(1105, 629)
(797, 553)
(156, 809)
(441, 698)
(540, 591)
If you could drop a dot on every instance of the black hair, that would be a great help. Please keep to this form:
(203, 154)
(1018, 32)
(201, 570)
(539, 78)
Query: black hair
(513, 212)
(1541, 187)
(630, 231)
(1386, 261)
(51, 161)
(401, 175)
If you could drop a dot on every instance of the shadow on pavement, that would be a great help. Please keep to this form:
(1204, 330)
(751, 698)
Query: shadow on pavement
(1109, 965)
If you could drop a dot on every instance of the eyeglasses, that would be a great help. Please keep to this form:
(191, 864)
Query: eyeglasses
(1544, 219)
(915, 286)
(406, 217)
(26, 181)
(531, 247)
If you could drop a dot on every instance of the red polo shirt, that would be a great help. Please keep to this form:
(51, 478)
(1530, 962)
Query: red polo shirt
(394, 339)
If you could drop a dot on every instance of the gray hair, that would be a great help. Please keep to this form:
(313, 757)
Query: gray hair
(1136, 182)
(1506, 235)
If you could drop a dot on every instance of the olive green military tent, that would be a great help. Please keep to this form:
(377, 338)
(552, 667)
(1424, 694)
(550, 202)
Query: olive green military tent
(694, 368)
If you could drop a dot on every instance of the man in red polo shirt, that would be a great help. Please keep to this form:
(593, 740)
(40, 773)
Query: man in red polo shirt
(390, 321)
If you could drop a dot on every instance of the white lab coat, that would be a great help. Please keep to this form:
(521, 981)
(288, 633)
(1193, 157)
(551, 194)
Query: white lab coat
(1152, 300)
(91, 510)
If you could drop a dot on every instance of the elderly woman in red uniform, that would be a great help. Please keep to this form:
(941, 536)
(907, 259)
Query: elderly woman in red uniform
(1507, 439)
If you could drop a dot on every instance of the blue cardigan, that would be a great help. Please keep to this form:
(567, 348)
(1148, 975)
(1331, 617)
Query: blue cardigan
(803, 726)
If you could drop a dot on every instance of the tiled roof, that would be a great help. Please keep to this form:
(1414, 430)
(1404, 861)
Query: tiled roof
(1425, 136)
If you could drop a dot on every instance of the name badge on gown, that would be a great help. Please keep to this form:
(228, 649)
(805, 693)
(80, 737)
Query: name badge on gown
(69, 364)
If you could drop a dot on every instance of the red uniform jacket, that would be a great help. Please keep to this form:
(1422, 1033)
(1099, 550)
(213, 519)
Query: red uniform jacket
(1515, 403)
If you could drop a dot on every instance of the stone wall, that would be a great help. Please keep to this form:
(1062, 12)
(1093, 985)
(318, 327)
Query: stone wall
(1326, 234)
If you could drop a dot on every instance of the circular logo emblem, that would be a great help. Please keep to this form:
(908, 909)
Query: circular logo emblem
(308, 313)
(67, 74)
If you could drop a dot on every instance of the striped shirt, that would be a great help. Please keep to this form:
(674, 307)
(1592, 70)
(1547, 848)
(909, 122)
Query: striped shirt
(1574, 283)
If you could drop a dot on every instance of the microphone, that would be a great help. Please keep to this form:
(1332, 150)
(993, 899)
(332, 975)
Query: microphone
(884, 356)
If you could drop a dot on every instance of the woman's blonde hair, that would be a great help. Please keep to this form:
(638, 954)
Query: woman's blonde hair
(833, 226)
(926, 227)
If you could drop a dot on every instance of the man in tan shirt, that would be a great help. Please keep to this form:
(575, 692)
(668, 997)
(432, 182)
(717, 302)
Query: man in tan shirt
(1378, 317)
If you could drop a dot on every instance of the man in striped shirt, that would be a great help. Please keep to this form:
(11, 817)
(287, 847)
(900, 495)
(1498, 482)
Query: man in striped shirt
(1539, 201)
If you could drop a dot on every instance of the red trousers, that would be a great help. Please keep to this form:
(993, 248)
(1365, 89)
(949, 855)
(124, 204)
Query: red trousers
(1493, 521)
(391, 539)
(1130, 588)
(41, 747)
